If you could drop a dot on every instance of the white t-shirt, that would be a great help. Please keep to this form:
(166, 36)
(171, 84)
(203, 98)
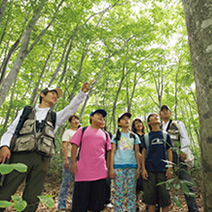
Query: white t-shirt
(67, 135)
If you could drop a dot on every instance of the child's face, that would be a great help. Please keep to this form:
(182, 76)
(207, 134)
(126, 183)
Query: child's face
(124, 122)
(74, 122)
(154, 119)
(103, 125)
(97, 119)
(138, 125)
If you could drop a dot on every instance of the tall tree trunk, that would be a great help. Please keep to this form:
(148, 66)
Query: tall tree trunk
(3, 67)
(117, 96)
(199, 26)
(6, 84)
(10, 107)
(176, 87)
(92, 86)
(2, 9)
(4, 31)
(35, 91)
(77, 77)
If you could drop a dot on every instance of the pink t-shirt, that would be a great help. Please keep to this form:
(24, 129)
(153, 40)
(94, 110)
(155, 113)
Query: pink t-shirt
(91, 165)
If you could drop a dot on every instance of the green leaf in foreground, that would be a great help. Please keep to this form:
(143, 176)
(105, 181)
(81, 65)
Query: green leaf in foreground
(47, 200)
(177, 201)
(19, 203)
(5, 204)
(20, 167)
(5, 168)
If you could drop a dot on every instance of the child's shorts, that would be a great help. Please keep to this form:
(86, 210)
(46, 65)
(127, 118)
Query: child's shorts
(156, 194)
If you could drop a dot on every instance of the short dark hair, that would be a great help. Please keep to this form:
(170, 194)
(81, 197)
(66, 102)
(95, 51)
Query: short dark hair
(45, 93)
(148, 118)
(73, 116)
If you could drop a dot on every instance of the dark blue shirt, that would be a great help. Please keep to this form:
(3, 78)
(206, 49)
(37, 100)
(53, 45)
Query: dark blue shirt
(157, 151)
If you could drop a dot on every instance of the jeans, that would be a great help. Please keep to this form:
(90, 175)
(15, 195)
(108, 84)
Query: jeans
(67, 177)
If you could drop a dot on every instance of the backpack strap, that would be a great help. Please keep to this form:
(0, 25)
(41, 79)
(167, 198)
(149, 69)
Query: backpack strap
(53, 118)
(27, 110)
(146, 140)
(80, 145)
(132, 135)
(165, 135)
(25, 114)
(83, 130)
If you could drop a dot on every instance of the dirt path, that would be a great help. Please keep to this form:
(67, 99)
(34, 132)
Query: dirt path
(52, 188)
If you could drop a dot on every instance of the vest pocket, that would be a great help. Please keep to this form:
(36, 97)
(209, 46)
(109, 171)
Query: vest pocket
(49, 129)
(46, 146)
(24, 143)
(28, 127)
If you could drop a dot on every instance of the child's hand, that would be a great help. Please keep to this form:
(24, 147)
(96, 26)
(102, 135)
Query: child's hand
(112, 173)
(73, 168)
(183, 156)
(137, 173)
(169, 174)
(144, 174)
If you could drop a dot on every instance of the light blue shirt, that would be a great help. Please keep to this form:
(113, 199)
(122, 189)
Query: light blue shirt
(125, 151)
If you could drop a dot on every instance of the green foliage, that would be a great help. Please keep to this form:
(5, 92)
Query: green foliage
(7, 168)
(177, 185)
(5, 204)
(47, 200)
(143, 41)
(177, 201)
(19, 204)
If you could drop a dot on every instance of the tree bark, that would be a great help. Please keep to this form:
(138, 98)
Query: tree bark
(2, 9)
(4, 65)
(35, 91)
(198, 15)
(176, 89)
(6, 84)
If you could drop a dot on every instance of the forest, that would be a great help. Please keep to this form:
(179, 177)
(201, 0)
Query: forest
(137, 52)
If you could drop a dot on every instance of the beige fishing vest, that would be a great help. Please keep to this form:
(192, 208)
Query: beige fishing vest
(29, 140)
(174, 133)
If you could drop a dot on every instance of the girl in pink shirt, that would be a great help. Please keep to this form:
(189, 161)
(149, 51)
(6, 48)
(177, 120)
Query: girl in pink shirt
(90, 170)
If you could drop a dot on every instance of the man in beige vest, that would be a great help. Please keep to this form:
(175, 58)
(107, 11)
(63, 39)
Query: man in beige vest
(34, 148)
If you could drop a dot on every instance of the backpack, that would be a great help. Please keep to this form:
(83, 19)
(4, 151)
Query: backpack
(174, 133)
(175, 136)
(146, 140)
(80, 145)
(25, 114)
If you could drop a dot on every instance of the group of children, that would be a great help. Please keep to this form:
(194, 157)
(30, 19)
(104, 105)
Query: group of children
(95, 156)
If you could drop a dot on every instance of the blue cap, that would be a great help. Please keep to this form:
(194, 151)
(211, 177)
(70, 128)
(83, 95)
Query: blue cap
(103, 112)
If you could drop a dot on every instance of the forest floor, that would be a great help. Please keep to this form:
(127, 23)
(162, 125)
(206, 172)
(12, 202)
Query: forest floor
(52, 188)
